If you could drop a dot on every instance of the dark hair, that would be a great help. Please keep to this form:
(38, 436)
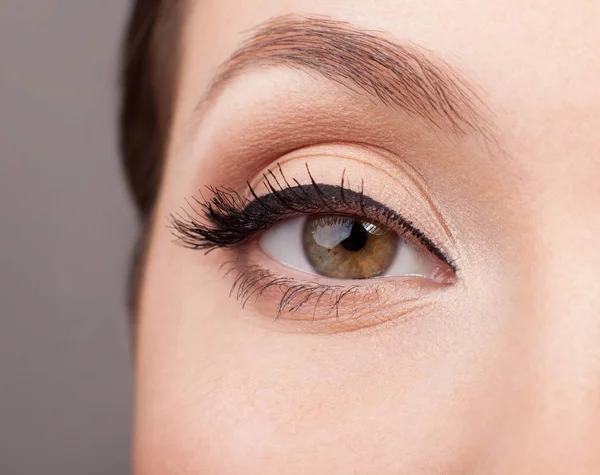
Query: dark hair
(149, 70)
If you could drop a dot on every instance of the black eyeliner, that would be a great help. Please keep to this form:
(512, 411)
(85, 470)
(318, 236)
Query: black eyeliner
(227, 219)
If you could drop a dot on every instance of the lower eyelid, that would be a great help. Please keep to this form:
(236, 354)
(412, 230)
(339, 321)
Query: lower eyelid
(312, 306)
(288, 300)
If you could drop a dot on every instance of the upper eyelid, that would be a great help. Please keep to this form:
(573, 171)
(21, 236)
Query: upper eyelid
(227, 206)
(366, 205)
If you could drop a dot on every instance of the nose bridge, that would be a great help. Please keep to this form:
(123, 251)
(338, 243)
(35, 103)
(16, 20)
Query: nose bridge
(553, 344)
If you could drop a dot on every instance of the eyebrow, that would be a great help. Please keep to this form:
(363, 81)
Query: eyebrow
(400, 76)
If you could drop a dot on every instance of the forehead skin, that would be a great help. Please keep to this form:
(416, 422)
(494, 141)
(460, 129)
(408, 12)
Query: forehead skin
(512, 384)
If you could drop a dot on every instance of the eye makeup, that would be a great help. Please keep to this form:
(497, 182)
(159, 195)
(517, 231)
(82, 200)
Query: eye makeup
(234, 222)
(228, 219)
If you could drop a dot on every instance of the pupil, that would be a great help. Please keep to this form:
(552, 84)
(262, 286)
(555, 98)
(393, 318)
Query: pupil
(357, 239)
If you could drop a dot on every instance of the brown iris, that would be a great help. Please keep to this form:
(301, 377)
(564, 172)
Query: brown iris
(346, 248)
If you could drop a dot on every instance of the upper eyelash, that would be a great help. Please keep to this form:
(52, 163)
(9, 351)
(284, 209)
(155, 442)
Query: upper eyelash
(227, 218)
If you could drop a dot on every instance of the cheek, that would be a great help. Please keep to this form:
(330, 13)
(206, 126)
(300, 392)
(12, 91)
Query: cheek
(225, 397)
(218, 393)
(255, 421)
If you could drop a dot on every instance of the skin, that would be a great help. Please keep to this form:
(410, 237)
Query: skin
(500, 372)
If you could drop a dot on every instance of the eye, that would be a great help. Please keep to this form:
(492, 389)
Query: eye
(344, 247)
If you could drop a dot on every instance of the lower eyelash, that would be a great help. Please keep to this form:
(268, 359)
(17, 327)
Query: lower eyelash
(253, 281)
(326, 307)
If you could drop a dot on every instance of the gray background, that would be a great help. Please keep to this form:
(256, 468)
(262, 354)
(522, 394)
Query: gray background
(65, 230)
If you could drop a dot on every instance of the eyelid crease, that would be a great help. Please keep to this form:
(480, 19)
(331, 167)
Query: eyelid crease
(410, 172)
(418, 180)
